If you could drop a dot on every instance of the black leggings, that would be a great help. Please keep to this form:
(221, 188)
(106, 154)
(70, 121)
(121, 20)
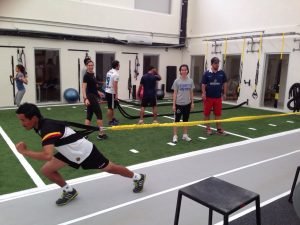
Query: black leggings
(184, 111)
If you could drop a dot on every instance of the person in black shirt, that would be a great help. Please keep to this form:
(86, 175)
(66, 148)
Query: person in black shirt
(91, 98)
(148, 87)
(78, 152)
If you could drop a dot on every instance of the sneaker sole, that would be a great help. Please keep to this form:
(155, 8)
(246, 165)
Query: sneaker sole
(65, 203)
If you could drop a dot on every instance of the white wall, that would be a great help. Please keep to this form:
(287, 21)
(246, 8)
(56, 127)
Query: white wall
(114, 19)
(69, 60)
(211, 19)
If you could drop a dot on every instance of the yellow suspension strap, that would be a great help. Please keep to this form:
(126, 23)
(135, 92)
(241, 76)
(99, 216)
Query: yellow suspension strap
(254, 94)
(278, 74)
(241, 67)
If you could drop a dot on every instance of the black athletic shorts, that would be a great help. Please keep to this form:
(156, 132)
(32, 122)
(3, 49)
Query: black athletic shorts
(184, 111)
(94, 107)
(94, 161)
(149, 101)
(111, 102)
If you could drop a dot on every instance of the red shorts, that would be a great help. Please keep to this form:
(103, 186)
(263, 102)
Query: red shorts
(214, 104)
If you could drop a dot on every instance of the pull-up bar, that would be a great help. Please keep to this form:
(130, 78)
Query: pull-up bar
(252, 36)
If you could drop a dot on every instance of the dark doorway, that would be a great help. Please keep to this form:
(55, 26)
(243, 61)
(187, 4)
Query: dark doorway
(196, 72)
(232, 68)
(271, 79)
(47, 71)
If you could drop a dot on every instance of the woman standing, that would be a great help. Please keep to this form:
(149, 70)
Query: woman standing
(91, 97)
(21, 79)
(183, 100)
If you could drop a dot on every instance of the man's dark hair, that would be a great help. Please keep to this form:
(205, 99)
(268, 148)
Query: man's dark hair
(115, 64)
(86, 60)
(215, 60)
(184, 65)
(29, 110)
(151, 68)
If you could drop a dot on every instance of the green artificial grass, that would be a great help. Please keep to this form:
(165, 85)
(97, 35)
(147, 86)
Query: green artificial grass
(151, 143)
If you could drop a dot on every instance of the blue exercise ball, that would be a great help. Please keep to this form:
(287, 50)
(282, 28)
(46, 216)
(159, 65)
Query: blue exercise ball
(71, 95)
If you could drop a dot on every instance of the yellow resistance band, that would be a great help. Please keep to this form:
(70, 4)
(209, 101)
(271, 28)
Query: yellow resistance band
(194, 123)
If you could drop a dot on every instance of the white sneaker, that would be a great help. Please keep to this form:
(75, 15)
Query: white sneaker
(141, 122)
(175, 139)
(186, 138)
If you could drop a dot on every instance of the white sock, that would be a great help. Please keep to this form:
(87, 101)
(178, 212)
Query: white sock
(184, 135)
(137, 176)
(67, 188)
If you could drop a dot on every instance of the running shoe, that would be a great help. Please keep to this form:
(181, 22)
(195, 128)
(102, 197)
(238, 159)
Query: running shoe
(139, 184)
(117, 122)
(155, 121)
(113, 123)
(209, 131)
(141, 122)
(221, 132)
(102, 137)
(186, 138)
(175, 139)
(66, 197)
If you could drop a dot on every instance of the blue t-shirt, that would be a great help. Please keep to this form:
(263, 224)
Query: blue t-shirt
(19, 81)
(149, 84)
(214, 83)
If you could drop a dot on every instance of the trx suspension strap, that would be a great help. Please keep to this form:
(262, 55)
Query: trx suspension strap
(22, 59)
(277, 80)
(19, 57)
(78, 74)
(206, 56)
(12, 78)
(129, 80)
(241, 68)
(136, 66)
(254, 94)
(224, 56)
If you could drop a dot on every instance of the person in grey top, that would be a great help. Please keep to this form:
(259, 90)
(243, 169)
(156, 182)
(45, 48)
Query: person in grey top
(21, 79)
(183, 100)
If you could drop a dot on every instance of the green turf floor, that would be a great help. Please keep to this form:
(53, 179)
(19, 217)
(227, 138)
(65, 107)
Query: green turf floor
(151, 143)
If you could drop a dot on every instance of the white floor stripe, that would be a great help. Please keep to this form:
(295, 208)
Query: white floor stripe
(134, 151)
(171, 143)
(290, 121)
(203, 138)
(31, 172)
(171, 189)
(251, 128)
(272, 125)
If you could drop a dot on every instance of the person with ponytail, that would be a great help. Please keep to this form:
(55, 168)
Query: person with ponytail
(21, 79)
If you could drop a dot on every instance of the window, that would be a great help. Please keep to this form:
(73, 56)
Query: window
(162, 6)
